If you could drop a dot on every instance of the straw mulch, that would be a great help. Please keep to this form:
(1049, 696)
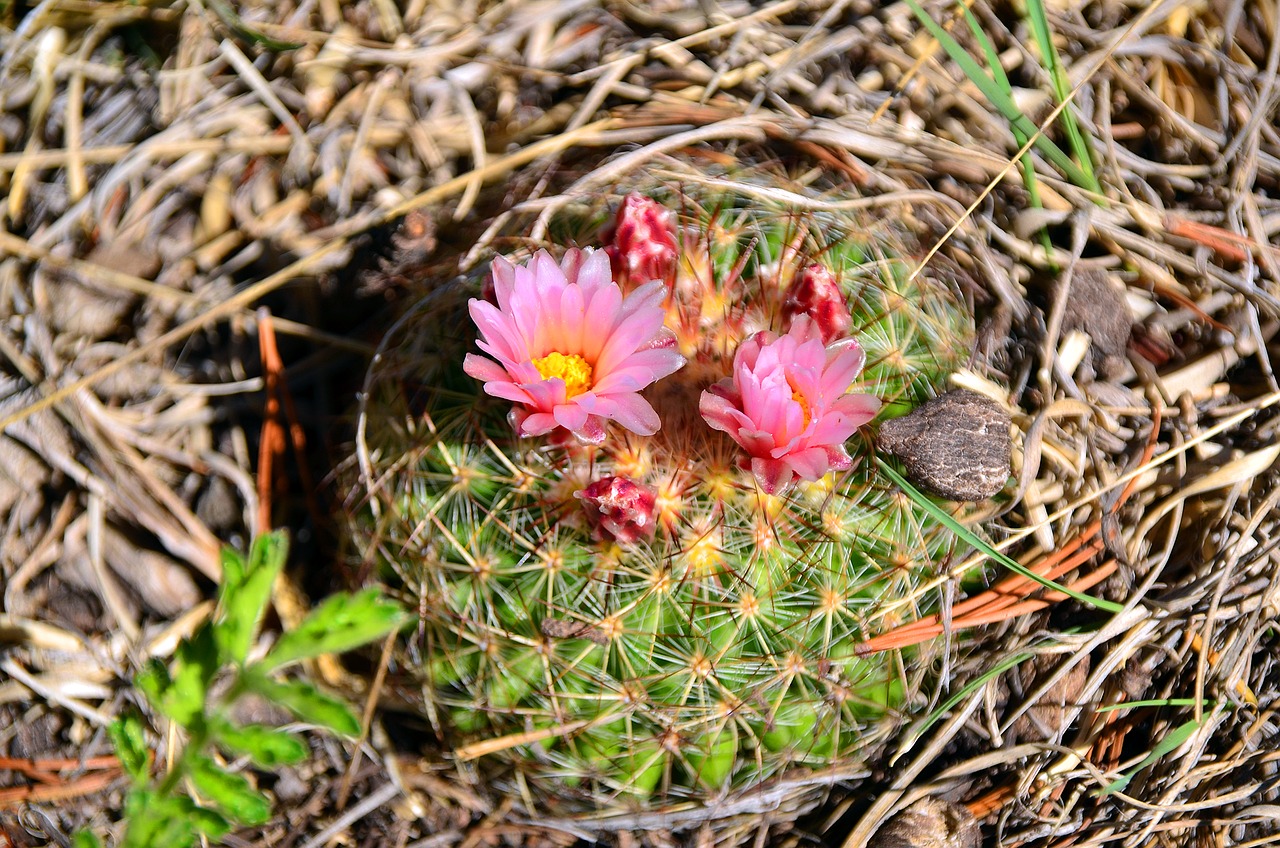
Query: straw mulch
(168, 169)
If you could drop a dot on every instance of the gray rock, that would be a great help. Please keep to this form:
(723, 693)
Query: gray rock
(956, 446)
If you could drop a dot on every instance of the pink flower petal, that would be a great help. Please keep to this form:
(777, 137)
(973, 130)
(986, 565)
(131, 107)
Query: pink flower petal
(504, 281)
(572, 327)
(773, 475)
(720, 407)
(538, 424)
(838, 458)
(842, 369)
(858, 408)
(810, 463)
(483, 369)
(594, 273)
(601, 314)
(546, 395)
(570, 416)
(632, 332)
(508, 391)
(592, 432)
(503, 337)
(641, 369)
(630, 410)
(760, 443)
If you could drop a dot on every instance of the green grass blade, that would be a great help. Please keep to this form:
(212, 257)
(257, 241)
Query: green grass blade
(1002, 79)
(1159, 702)
(1062, 90)
(1168, 744)
(981, 545)
(232, 20)
(989, 50)
(969, 688)
(998, 98)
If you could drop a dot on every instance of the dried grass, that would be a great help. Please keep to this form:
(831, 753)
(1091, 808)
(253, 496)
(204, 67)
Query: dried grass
(164, 174)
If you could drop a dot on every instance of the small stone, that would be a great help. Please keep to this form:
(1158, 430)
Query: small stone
(956, 446)
(929, 823)
(1096, 306)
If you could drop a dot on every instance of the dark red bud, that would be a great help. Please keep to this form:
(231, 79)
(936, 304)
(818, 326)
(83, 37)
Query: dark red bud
(641, 242)
(619, 509)
(815, 292)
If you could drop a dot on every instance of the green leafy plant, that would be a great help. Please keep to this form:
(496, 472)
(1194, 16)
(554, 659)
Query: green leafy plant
(197, 797)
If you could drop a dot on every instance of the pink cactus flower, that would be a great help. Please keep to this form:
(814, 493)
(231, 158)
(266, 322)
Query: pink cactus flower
(787, 404)
(641, 242)
(815, 293)
(570, 351)
(619, 509)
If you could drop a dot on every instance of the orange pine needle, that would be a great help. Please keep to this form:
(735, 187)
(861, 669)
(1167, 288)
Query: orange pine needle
(278, 409)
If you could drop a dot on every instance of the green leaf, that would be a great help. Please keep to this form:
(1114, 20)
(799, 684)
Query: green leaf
(1003, 102)
(156, 821)
(934, 717)
(989, 51)
(207, 822)
(339, 624)
(181, 696)
(1001, 79)
(230, 793)
(1167, 745)
(245, 591)
(86, 839)
(234, 568)
(194, 665)
(232, 20)
(306, 702)
(129, 739)
(153, 682)
(973, 540)
(266, 746)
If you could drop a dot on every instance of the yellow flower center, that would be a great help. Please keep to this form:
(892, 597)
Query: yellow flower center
(573, 369)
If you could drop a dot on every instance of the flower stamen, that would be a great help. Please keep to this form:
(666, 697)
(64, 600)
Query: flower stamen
(573, 369)
(804, 406)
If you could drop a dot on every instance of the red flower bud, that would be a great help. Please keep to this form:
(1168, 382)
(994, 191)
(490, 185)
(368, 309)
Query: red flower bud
(641, 242)
(619, 509)
(815, 293)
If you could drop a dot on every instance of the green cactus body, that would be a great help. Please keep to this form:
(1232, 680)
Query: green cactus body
(723, 650)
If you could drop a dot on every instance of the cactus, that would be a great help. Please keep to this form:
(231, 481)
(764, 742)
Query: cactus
(641, 619)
